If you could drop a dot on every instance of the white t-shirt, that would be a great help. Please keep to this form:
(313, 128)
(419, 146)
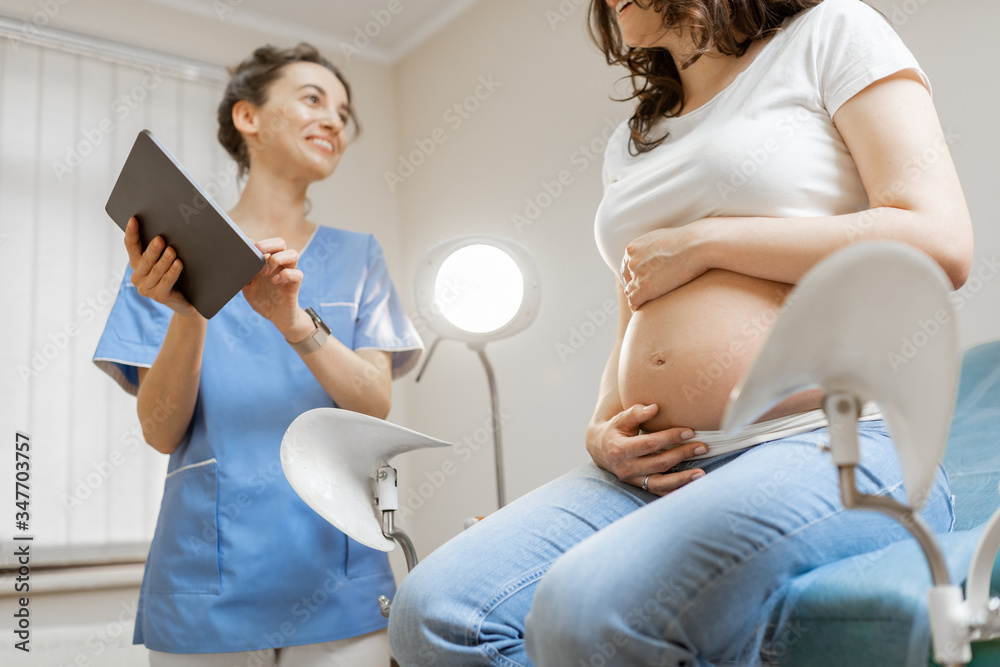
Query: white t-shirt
(766, 146)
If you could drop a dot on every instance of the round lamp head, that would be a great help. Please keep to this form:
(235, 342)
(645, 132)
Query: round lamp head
(478, 288)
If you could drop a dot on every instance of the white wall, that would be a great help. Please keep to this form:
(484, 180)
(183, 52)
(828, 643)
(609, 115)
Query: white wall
(553, 98)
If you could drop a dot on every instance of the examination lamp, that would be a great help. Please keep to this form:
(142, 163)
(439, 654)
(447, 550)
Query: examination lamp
(476, 289)
(841, 331)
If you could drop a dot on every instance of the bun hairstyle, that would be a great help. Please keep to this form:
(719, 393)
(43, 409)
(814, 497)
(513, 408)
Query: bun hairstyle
(250, 81)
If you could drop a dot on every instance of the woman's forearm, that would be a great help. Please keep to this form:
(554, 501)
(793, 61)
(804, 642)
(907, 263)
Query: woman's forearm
(360, 381)
(784, 249)
(168, 390)
(901, 152)
(360, 384)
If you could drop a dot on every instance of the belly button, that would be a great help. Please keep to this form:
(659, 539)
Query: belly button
(659, 359)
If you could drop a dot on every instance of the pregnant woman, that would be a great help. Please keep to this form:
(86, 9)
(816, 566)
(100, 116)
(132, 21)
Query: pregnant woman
(765, 136)
(241, 571)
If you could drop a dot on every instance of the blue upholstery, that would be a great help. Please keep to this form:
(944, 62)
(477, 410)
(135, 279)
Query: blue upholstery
(872, 609)
(973, 456)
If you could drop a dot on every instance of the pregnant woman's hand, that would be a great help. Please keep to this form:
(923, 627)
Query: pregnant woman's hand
(660, 262)
(274, 291)
(155, 270)
(617, 446)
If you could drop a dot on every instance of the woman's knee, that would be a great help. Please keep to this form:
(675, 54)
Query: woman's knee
(587, 613)
(418, 615)
(443, 616)
(557, 625)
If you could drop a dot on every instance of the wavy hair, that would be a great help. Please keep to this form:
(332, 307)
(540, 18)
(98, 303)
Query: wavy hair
(250, 81)
(713, 24)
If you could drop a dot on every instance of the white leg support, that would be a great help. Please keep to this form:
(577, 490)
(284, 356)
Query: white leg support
(949, 625)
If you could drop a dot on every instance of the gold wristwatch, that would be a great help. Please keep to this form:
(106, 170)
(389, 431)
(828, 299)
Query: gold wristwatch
(316, 339)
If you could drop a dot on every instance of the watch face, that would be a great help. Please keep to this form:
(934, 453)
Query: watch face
(318, 321)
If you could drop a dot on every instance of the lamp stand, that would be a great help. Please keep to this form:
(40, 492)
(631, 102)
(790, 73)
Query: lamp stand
(480, 349)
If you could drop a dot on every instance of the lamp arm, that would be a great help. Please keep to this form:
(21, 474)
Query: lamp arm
(427, 359)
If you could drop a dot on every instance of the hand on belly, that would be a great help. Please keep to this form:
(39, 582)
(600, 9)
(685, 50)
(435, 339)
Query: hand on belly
(686, 350)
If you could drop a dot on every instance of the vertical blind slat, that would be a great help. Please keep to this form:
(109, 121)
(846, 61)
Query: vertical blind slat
(95, 455)
(51, 404)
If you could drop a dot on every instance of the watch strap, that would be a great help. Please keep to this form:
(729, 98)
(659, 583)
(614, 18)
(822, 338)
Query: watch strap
(316, 339)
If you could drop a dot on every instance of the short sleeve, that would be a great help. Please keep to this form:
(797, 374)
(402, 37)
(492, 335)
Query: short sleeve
(382, 323)
(132, 336)
(857, 46)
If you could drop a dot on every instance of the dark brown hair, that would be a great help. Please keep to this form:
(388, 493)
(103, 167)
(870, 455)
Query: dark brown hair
(250, 81)
(712, 24)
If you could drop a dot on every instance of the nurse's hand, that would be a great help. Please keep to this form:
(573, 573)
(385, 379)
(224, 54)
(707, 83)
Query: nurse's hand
(617, 446)
(274, 291)
(661, 261)
(155, 270)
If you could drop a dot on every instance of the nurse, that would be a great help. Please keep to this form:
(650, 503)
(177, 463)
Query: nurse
(241, 570)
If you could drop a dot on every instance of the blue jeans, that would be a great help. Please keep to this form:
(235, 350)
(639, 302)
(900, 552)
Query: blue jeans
(613, 575)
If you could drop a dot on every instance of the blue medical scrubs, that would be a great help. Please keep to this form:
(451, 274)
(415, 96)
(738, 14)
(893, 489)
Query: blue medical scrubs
(238, 561)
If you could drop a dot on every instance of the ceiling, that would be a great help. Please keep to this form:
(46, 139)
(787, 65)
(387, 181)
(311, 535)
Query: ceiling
(381, 31)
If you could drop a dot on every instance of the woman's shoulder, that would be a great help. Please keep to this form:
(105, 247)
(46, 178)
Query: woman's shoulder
(341, 235)
(834, 15)
(328, 238)
(337, 250)
(836, 31)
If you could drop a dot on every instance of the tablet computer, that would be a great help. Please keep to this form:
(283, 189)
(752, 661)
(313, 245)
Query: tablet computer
(218, 258)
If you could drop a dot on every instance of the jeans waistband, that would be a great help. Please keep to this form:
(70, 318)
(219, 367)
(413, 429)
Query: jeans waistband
(773, 429)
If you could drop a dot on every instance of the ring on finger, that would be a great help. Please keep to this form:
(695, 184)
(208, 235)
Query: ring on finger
(645, 483)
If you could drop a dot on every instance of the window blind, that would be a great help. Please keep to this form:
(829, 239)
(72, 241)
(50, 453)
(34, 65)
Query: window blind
(70, 109)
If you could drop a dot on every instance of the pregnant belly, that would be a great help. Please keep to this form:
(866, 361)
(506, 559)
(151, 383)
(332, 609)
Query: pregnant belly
(686, 350)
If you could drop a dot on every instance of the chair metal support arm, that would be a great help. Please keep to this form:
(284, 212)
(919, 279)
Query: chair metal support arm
(949, 619)
(910, 520)
(390, 530)
(950, 626)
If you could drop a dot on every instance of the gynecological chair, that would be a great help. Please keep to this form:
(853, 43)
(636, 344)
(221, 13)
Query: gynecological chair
(338, 463)
(872, 322)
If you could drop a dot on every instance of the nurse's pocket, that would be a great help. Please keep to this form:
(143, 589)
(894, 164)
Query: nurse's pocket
(184, 557)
